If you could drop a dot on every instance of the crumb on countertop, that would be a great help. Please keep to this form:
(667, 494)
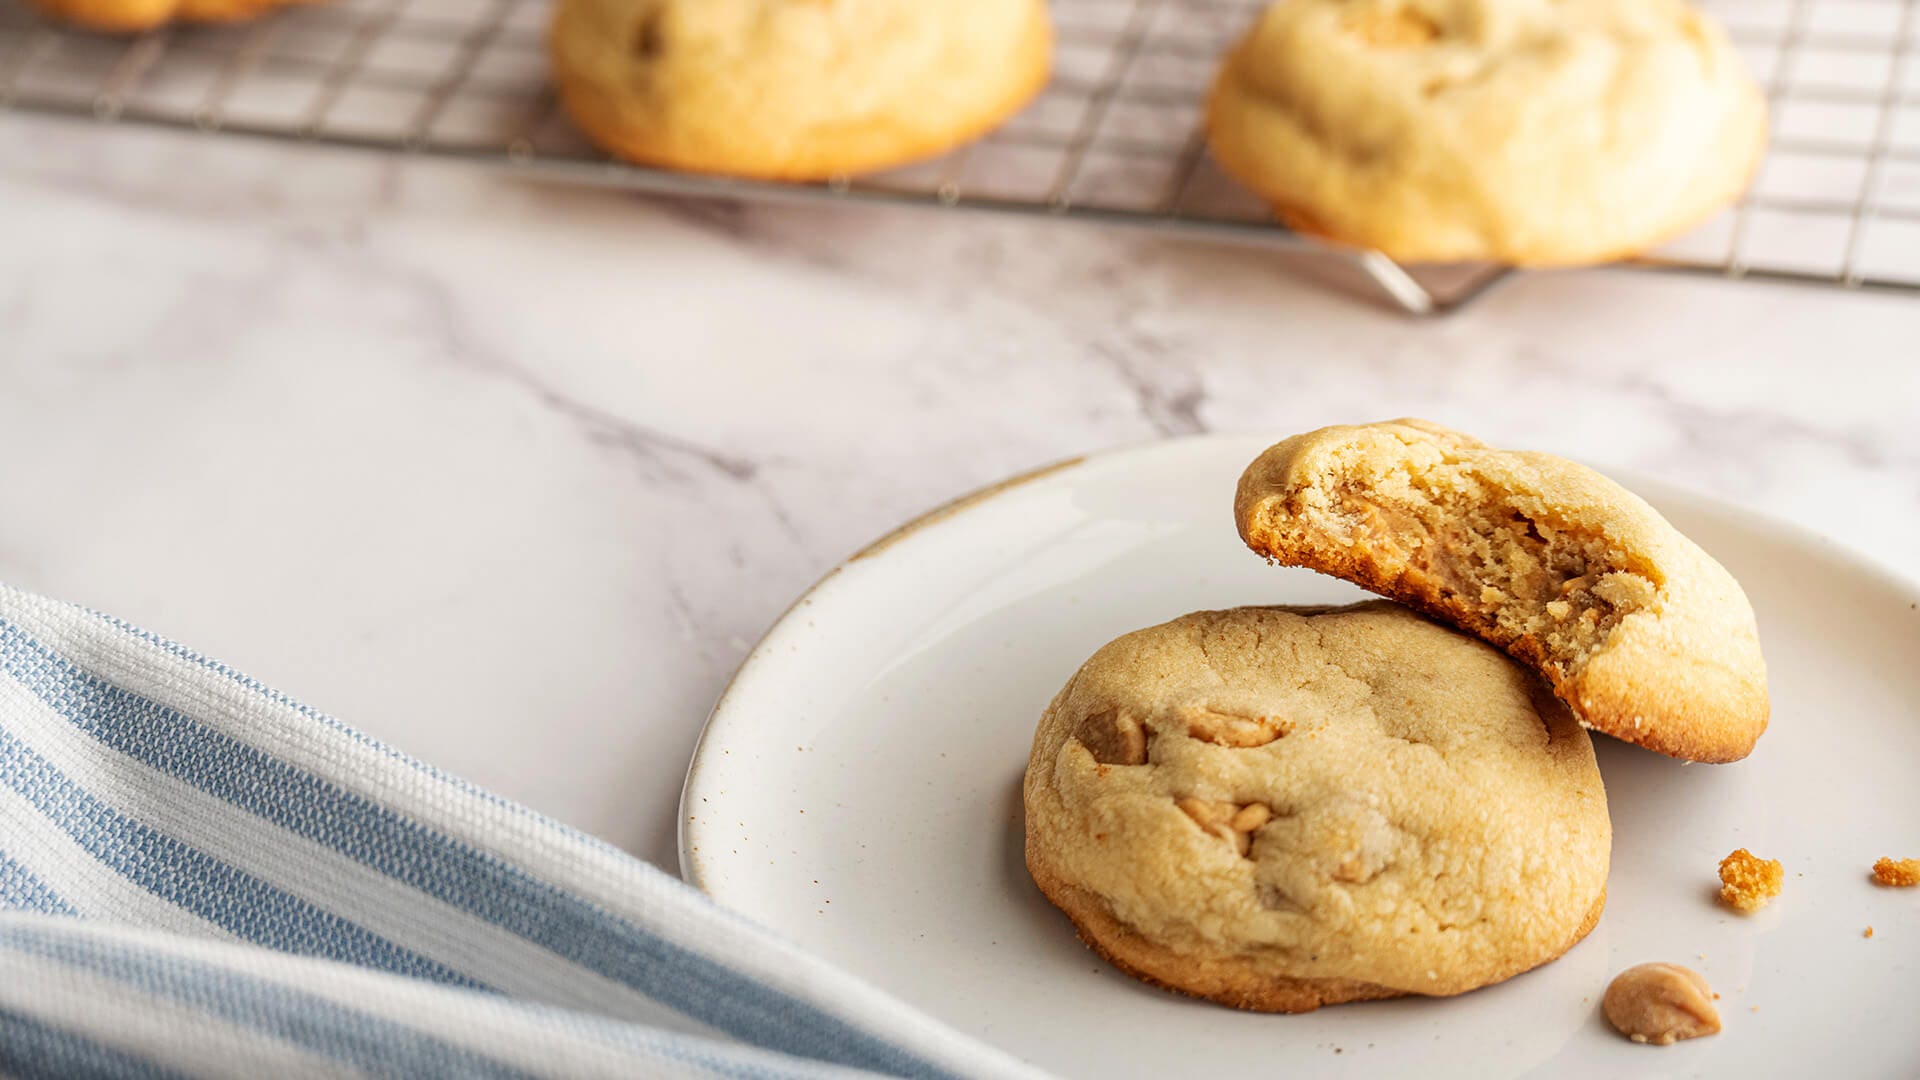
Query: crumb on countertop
(1897, 872)
(1747, 881)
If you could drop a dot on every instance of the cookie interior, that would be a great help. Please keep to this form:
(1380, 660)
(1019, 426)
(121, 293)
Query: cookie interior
(1445, 539)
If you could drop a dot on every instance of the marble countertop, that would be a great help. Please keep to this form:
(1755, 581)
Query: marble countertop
(512, 475)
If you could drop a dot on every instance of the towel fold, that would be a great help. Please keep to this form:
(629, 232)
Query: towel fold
(200, 876)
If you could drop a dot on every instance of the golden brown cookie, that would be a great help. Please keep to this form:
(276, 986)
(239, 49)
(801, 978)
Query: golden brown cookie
(1279, 809)
(1519, 131)
(132, 15)
(795, 89)
(1641, 632)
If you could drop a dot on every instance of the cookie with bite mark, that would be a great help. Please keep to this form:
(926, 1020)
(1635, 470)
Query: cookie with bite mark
(1641, 632)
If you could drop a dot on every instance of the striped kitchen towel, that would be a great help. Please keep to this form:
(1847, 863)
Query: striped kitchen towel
(200, 876)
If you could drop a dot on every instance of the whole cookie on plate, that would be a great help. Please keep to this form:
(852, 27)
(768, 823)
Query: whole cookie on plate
(795, 89)
(1642, 633)
(131, 15)
(1540, 132)
(1280, 809)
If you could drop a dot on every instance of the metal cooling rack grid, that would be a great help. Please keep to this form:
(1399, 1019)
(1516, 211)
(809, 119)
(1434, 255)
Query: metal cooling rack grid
(1114, 138)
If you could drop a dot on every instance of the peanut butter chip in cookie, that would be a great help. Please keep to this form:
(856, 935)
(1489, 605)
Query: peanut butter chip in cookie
(1228, 821)
(1660, 1004)
(1113, 737)
(1230, 729)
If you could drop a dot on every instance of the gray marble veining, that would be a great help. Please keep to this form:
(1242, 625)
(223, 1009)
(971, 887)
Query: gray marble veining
(512, 475)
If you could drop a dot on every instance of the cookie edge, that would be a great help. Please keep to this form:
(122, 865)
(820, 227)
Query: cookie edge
(1238, 986)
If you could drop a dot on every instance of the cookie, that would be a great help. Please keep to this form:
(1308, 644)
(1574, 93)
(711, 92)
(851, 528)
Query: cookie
(795, 89)
(1279, 809)
(1518, 131)
(132, 15)
(1641, 632)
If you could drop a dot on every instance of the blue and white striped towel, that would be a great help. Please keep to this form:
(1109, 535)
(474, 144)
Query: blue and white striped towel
(200, 876)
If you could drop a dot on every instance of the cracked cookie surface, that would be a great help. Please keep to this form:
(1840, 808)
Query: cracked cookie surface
(1284, 808)
(1640, 631)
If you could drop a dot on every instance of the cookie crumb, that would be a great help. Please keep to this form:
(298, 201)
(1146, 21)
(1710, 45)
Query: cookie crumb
(1897, 873)
(1868, 932)
(1747, 881)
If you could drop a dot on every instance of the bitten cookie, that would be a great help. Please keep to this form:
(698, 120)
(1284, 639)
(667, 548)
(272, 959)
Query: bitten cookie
(1642, 633)
(795, 89)
(132, 15)
(1537, 132)
(1280, 809)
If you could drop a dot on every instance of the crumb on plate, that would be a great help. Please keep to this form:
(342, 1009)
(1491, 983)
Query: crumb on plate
(1897, 872)
(1747, 881)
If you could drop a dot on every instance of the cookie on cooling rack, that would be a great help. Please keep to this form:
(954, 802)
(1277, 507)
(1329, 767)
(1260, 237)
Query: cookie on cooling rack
(1642, 633)
(132, 15)
(1279, 809)
(1513, 131)
(795, 89)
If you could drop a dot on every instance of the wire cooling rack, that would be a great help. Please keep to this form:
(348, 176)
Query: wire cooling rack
(1115, 138)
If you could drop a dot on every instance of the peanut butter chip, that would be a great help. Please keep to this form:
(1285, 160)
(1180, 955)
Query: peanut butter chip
(1232, 729)
(1113, 737)
(1228, 821)
(1660, 1004)
(1251, 817)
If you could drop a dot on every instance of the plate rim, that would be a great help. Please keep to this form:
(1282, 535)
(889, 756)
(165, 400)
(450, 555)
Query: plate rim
(689, 869)
(1633, 480)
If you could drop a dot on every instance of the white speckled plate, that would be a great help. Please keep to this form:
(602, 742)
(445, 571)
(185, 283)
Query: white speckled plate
(858, 789)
